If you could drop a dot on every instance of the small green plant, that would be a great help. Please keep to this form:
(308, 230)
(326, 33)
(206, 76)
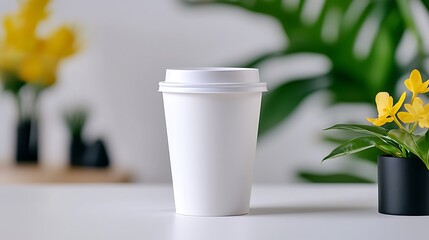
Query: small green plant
(401, 142)
(75, 120)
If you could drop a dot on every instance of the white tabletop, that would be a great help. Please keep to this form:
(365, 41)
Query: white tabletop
(104, 212)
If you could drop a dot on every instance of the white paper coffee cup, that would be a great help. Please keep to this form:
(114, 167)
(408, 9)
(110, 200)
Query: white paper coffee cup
(212, 117)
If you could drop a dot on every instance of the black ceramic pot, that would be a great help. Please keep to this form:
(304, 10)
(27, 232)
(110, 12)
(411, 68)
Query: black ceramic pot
(403, 186)
(27, 142)
(77, 150)
(96, 155)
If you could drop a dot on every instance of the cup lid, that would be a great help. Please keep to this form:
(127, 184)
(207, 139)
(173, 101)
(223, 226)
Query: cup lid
(212, 80)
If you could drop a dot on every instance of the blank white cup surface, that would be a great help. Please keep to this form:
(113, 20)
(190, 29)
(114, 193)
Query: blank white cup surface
(212, 117)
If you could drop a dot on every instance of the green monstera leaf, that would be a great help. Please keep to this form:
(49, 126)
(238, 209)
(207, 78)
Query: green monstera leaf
(360, 38)
(333, 178)
(339, 32)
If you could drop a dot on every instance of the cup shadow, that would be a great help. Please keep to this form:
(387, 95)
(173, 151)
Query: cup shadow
(305, 209)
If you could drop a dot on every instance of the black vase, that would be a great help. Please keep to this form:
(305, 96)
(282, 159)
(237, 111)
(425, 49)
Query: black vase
(77, 150)
(27, 142)
(96, 155)
(403, 186)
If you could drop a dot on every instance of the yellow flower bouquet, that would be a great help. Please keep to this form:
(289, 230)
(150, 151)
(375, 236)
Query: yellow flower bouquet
(27, 58)
(402, 142)
(28, 65)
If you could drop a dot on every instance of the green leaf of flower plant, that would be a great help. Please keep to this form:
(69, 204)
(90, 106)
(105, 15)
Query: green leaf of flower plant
(407, 140)
(364, 129)
(354, 146)
(423, 145)
(391, 150)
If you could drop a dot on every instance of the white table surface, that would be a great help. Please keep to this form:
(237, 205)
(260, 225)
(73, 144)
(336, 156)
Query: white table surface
(104, 212)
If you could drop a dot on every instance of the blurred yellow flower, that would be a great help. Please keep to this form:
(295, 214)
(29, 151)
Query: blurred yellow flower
(61, 43)
(39, 70)
(20, 28)
(34, 59)
(416, 113)
(386, 110)
(415, 84)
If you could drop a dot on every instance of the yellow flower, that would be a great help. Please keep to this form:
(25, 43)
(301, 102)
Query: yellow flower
(415, 84)
(39, 67)
(61, 43)
(39, 70)
(416, 113)
(20, 28)
(386, 110)
(20, 36)
(33, 58)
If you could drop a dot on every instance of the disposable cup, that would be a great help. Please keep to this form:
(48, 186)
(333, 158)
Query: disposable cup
(212, 117)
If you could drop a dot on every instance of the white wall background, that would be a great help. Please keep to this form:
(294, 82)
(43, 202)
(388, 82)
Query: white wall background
(127, 45)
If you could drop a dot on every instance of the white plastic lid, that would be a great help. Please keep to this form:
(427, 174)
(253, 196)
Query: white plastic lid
(212, 80)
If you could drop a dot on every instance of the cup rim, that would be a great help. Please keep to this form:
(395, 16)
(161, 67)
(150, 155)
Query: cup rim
(212, 80)
(258, 87)
(213, 69)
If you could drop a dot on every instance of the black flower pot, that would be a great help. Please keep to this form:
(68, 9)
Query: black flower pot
(403, 186)
(27, 142)
(77, 150)
(96, 155)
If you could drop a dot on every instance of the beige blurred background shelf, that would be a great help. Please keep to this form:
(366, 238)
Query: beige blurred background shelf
(22, 174)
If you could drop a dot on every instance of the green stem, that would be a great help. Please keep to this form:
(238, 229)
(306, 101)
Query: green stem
(413, 128)
(19, 107)
(398, 123)
(413, 97)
